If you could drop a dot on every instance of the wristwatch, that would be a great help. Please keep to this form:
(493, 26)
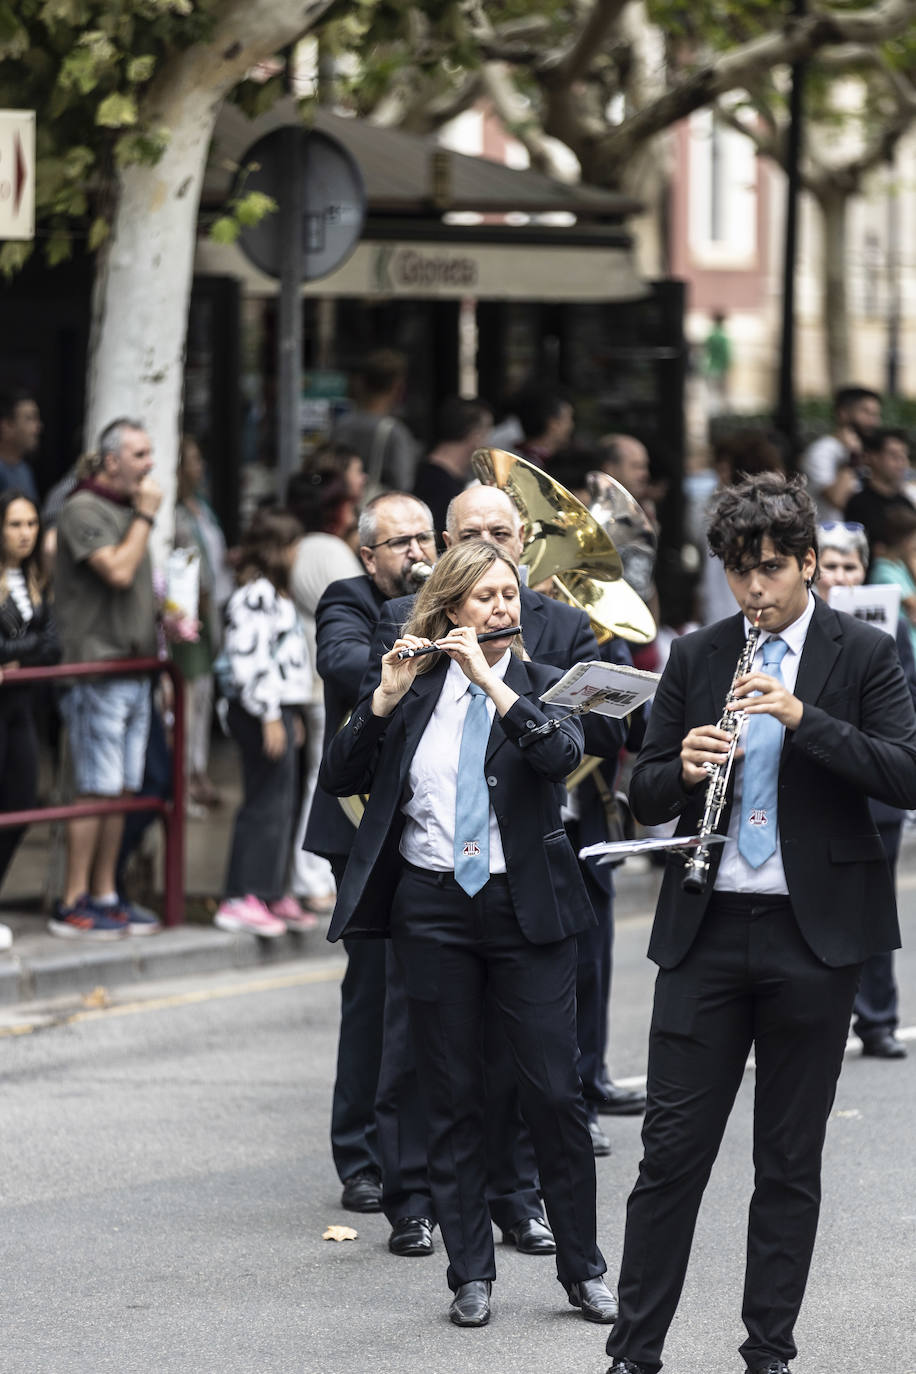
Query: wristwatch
(142, 515)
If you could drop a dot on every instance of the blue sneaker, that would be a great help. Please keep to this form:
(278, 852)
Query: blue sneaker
(138, 919)
(84, 920)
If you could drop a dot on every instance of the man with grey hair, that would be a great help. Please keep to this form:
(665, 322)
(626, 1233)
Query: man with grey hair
(106, 611)
(397, 546)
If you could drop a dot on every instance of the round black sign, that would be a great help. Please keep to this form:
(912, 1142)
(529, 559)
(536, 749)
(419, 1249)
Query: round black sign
(334, 202)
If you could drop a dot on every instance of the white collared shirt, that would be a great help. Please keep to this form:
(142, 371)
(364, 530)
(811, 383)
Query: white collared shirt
(735, 873)
(428, 839)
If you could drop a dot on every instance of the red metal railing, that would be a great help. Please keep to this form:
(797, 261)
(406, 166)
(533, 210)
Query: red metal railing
(171, 811)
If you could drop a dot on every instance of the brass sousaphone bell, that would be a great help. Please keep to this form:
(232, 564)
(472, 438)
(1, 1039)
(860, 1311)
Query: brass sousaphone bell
(569, 542)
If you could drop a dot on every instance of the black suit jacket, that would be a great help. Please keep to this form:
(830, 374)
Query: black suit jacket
(374, 754)
(345, 621)
(857, 739)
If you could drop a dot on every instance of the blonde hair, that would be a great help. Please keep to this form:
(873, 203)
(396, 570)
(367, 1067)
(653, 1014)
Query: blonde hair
(451, 582)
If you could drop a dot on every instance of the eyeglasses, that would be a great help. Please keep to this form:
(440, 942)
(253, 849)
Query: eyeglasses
(402, 542)
(853, 527)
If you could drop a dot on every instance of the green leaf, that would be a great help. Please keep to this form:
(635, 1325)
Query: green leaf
(224, 230)
(98, 233)
(59, 247)
(250, 209)
(14, 256)
(140, 69)
(117, 111)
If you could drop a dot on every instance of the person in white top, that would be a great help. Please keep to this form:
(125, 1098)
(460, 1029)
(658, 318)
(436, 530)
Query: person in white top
(764, 955)
(480, 901)
(265, 676)
(831, 463)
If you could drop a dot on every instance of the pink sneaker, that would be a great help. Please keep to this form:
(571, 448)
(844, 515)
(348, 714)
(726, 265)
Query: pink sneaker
(248, 913)
(296, 917)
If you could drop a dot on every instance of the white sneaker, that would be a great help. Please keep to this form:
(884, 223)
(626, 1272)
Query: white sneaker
(6, 937)
(248, 913)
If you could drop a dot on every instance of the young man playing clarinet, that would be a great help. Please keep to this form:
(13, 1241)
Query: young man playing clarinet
(767, 954)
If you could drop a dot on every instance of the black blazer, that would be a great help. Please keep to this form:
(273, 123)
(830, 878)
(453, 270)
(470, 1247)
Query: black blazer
(33, 644)
(345, 621)
(374, 754)
(857, 739)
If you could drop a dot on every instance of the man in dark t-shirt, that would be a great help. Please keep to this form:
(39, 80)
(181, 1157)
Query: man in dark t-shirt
(461, 427)
(887, 456)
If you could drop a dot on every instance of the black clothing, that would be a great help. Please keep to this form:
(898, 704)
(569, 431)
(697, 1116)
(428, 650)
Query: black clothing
(437, 488)
(869, 508)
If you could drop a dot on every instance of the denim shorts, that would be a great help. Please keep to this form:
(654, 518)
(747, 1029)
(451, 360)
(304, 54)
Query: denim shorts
(108, 725)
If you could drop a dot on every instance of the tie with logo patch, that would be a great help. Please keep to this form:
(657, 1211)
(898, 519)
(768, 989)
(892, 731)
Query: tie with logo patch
(757, 831)
(472, 798)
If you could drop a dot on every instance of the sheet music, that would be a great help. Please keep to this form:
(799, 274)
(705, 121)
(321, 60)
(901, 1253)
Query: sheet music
(624, 689)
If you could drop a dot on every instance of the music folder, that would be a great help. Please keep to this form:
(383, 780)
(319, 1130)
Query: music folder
(610, 689)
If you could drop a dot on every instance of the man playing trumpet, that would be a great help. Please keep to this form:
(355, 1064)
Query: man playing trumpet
(767, 954)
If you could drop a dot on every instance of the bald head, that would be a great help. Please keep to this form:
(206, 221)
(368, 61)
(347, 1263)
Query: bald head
(485, 513)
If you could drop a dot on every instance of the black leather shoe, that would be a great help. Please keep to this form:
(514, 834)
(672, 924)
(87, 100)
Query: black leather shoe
(883, 1045)
(532, 1236)
(601, 1146)
(411, 1236)
(626, 1367)
(471, 1304)
(613, 1101)
(362, 1192)
(774, 1367)
(596, 1300)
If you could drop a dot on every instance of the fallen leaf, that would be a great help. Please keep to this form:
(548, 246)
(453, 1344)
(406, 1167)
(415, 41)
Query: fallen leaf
(98, 997)
(339, 1233)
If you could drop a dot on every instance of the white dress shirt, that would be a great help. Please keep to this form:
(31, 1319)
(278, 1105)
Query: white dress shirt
(428, 839)
(735, 874)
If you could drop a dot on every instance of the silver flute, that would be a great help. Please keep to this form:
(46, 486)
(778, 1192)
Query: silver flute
(696, 870)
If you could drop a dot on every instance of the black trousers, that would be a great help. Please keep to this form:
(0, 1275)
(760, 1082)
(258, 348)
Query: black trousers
(262, 835)
(456, 951)
(354, 1143)
(593, 991)
(875, 1007)
(748, 980)
(18, 768)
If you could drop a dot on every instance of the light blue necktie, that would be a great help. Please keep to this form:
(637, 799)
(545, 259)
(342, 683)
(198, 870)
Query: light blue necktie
(472, 798)
(757, 831)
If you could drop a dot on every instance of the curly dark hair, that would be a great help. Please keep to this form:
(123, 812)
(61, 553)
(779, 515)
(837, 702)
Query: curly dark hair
(769, 505)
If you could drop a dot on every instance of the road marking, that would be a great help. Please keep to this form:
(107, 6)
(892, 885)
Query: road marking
(330, 972)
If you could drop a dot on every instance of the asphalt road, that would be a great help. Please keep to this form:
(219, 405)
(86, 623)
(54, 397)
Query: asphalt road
(165, 1181)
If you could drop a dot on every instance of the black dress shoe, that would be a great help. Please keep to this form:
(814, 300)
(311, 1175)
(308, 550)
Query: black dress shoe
(774, 1367)
(614, 1101)
(596, 1300)
(532, 1236)
(362, 1192)
(883, 1045)
(601, 1145)
(626, 1367)
(471, 1304)
(411, 1236)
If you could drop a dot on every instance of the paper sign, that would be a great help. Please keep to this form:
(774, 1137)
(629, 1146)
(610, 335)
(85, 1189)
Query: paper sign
(615, 689)
(879, 605)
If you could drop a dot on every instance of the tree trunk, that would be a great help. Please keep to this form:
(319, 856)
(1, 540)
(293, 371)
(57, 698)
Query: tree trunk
(833, 203)
(143, 277)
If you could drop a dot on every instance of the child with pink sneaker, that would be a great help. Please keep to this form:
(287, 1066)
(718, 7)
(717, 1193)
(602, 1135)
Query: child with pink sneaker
(264, 678)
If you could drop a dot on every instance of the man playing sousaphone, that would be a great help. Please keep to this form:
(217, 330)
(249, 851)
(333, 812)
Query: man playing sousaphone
(766, 953)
